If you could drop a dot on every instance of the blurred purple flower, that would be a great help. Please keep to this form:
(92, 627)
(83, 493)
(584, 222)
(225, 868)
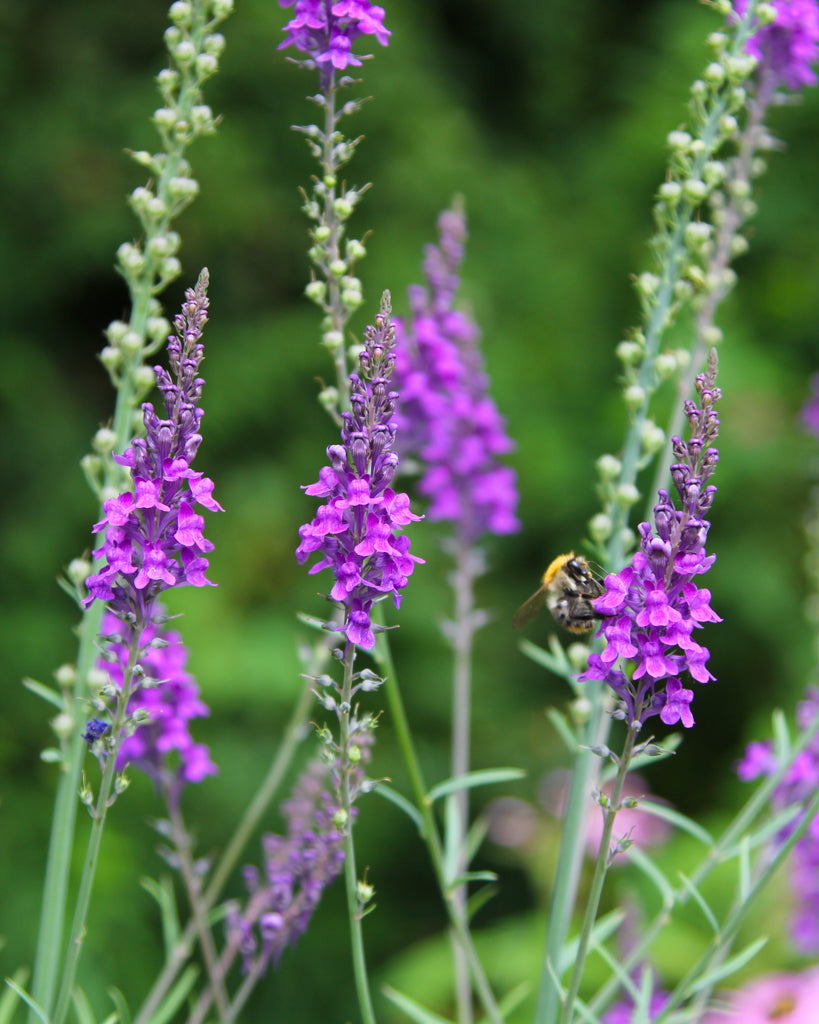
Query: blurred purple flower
(800, 782)
(788, 48)
(163, 747)
(357, 530)
(810, 410)
(782, 998)
(298, 866)
(652, 607)
(446, 419)
(153, 536)
(623, 1012)
(326, 31)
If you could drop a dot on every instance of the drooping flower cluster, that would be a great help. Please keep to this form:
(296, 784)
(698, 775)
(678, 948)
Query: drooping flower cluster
(652, 607)
(167, 694)
(153, 536)
(800, 782)
(357, 529)
(446, 419)
(787, 48)
(326, 31)
(298, 866)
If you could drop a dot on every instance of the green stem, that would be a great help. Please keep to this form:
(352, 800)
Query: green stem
(600, 871)
(430, 833)
(350, 877)
(293, 735)
(104, 801)
(193, 886)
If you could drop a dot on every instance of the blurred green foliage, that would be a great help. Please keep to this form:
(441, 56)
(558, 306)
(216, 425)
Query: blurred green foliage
(549, 117)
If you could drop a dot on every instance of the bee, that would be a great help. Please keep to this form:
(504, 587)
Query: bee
(567, 590)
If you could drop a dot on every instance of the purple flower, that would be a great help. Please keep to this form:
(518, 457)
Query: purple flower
(446, 419)
(652, 607)
(298, 866)
(623, 1012)
(788, 47)
(326, 31)
(357, 530)
(163, 690)
(800, 782)
(153, 536)
(810, 410)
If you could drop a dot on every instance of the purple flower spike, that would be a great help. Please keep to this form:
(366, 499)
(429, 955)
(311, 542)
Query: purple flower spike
(153, 536)
(326, 31)
(651, 608)
(358, 529)
(800, 783)
(162, 747)
(446, 419)
(788, 48)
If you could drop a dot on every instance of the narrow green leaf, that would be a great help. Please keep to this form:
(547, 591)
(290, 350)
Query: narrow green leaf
(177, 995)
(312, 621)
(699, 899)
(28, 1000)
(162, 892)
(486, 777)
(563, 729)
(414, 1010)
(513, 999)
(46, 692)
(736, 963)
(112, 1018)
(11, 996)
(394, 797)
(673, 817)
(480, 899)
(118, 999)
(473, 876)
(559, 664)
(603, 929)
(82, 1008)
(653, 873)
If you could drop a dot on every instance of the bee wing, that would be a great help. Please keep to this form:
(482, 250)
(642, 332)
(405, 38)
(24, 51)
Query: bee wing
(530, 608)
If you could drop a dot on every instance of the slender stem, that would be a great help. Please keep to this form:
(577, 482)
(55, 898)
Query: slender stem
(350, 877)
(740, 826)
(293, 735)
(430, 833)
(193, 886)
(104, 801)
(467, 565)
(600, 871)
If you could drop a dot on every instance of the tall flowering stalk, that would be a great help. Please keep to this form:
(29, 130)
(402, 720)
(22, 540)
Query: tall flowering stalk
(450, 426)
(147, 265)
(153, 542)
(358, 532)
(324, 31)
(650, 610)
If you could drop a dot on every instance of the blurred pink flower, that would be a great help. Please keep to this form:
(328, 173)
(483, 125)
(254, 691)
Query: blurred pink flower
(782, 998)
(641, 827)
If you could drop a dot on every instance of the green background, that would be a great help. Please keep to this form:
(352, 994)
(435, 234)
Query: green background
(549, 117)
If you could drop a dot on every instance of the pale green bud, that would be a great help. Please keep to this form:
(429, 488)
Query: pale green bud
(184, 51)
(206, 65)
(712, 335)
(739, 246)
(182, 187)
(648, 284)
(111, 358)
(581, 708)
(63, 725)
(600, 527)
(214, 44)
(355, 250)
(115, 331)
(634, 397)
(697, 233)
(322, 233)
(338, 268)
(221, 8)
(144, 378)
(332, 340)
(627, 495)
(97, 679)
(342, 207)
(78, 571)
(695, 190)
(609, 467)
(364, 892)
(316, 291)
(629, 352)
(170, 268)
(670, 191)
(328, 398)
(180, 12)
(665, 364)
(104, 441)
(715, 73)
(678, 139)
(157, 327)
(652, 436)
(130, 258)
(717, 40)
(66, 675)
(766, 13)
(728, 124)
